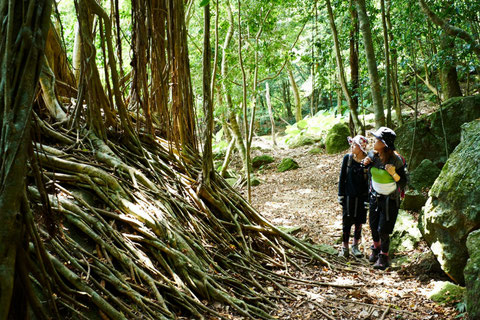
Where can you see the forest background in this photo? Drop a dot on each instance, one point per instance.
(139, 108)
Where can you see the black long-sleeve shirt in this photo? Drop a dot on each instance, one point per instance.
(353, 181)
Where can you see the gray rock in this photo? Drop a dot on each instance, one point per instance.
(452, 210)
(424, 175)
(429, 138)
(336, 140)
(413, 200)
(472, 275)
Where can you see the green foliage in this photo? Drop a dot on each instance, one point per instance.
(310, 129)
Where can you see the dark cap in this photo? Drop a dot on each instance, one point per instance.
(386, 135)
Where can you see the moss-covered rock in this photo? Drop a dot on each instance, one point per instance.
(413, 200)
(452, 210)
(424, 175)
(262, 160)
(315, 150)
(287, 164)
(406, 235)
(254, 181)
(300, 141)
(472, 275)
(447, 293)
(429, 138)
(336, 140)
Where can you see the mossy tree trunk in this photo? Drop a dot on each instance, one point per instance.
(341, 71)
(371, 63)
(21, 64)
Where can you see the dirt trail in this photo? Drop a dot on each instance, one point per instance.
(306, 197)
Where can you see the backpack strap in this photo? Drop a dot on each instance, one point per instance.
(349, 163)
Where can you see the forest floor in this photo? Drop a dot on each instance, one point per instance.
(307, 198)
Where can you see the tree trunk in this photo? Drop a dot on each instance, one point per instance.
(47, 83)
(77, 53)
(270, 112)
(371, 63)
(341, 72)
(388, 78)
(244, 106)
(207, 164)
(21, 64)
(354, 70)
(286, 99)
(448, 68)
(239, 142)
(394, 71)
(296, 94)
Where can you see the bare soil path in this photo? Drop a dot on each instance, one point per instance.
(306, 198)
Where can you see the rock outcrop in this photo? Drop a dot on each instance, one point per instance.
(452, 210)
(472, 275)
(429, 140)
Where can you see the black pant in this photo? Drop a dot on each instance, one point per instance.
(383, 215)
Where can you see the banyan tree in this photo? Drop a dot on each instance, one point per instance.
(105, 212)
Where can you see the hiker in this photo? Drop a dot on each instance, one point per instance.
(387, 170)
(353, 194)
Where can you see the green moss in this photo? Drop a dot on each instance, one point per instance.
(336, 140)
(287, 164)
(299, 141)
(254, 181)
(315, 150)
(262, 160)
(447, 293)
(472, 274)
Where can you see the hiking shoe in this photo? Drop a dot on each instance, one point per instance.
(374, 256)
(356, 252)
(382, 262)
(343, 252)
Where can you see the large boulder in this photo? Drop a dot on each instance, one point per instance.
(452, 210)
(472, 275)
(429, 140)
(424, 175)
(336, 140)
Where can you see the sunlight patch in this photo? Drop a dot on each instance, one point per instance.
(305, 191)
